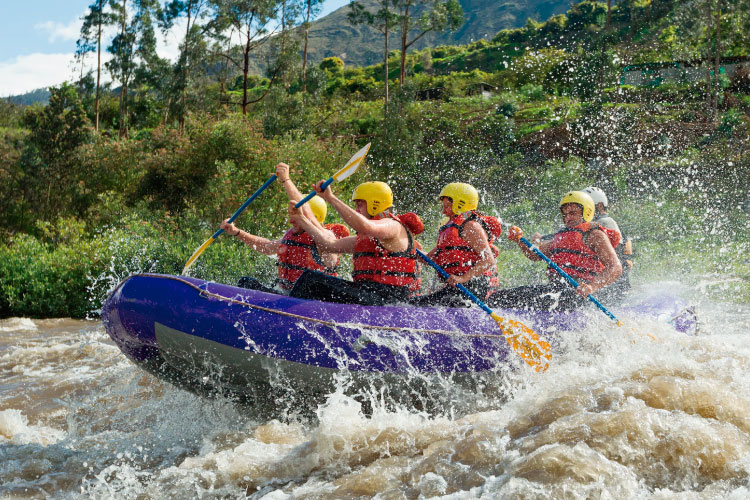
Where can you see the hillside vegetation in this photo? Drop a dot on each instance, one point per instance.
(361, 45)
(525, 116)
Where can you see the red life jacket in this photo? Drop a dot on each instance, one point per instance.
(298, 253)
(372, 262)
(570, 252)
(454, 254)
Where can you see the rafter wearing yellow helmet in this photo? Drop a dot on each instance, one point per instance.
(385, 260)
(319, 208)
(464, 248)
(464, 196)
(295, 251)
(582, 249)
(582, 199)
(376, 194)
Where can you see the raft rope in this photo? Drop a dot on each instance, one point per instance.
(206, 293)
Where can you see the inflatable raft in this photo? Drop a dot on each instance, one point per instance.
(214, 338)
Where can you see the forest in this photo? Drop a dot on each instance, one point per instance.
(132, 176)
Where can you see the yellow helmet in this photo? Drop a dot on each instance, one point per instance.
(464, 196)
(580, 198)
(318, 207)
(378, 196)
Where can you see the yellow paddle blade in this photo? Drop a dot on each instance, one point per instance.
(197, 254)
(527, 344)
(352, 165)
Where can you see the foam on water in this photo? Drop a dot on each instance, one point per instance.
(17, 325)
(15, 429)
(617, 415)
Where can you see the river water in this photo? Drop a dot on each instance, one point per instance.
(617, 415)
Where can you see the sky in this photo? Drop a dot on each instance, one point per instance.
(38, 40)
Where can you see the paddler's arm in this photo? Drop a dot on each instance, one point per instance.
(600, 244)
(282, 173)
(258, 243)
(477, 240)
(515, 233)
(383, 229)
(324, 239)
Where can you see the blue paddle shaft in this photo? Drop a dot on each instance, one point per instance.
(565, 275)
(445, 275)
(309, 196)
(247, 202)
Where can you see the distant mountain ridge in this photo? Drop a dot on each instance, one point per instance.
(334, 35)
(40, 96)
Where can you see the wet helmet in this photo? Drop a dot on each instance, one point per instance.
(319, 208)
(597, 195)
(464, 196)
(582, 199)
(378, 196)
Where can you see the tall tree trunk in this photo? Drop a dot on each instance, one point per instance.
(707, 62)
(609, 16)
(98, 66)
(304, 51)
(404, 35)
(123, 83)
(183, 98)
(245, 70)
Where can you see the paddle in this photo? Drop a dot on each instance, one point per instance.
(351, 166)
(568, 277)
(242, 208)
(522, 339)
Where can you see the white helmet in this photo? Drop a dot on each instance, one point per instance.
(597, 195)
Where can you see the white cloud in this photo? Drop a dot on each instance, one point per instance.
(34, 71)
(57, 31)
(168, 46)
(38, 70)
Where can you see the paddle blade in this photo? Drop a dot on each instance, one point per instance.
(352, 165)
(197, 254)
(527, 344)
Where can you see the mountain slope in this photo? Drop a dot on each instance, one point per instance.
(334, 35)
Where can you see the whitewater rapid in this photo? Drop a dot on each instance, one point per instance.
(617, 415)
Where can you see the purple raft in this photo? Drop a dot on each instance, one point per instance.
(210, 337)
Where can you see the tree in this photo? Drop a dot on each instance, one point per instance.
(710, 29)
(435, 15)
(193, 11)
(55, 132)
(250, 20)
(383, 19)
(312, 8)
(91, 40)
(134, 45)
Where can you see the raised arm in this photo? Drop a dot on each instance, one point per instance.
(324, 239)
(383, 229)
(294, 194)
(515, 233)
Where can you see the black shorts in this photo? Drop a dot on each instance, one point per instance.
(314, 285)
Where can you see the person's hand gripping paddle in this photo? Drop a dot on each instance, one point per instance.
(242, 208)
(351, 166)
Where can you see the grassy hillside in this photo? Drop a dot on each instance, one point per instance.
(333, 35)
